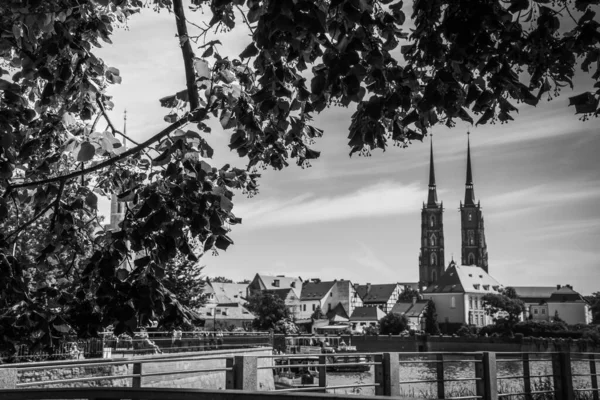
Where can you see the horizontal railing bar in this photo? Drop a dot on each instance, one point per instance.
(586, 390)
(584, 374)
(438, 361)
(127, 361)
(317, 388)
(318, 365)
(93, 378)
(285, 356)
(182, 372)
(525, 393)
(440, 380)
(464, 397)
(510, 377)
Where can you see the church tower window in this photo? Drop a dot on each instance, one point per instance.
(471, 259)
(432, 240)
(433, 260)
(433, 276)
(432, 221)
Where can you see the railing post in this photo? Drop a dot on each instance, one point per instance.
(387, 374)
(136, 381)
(439, 376)
(563, 380)
(526, 376)
(246, 373)
(594, 377)
(379, 375)
(229, 374)
(323, 372)
(485, 371)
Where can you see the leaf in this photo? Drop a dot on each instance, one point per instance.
(91, 200)
(85, 152)
(3, 209)
(122, 274)
(202, 69)
(249, 51)
(223, 242)
(163, 159)
(62, 328)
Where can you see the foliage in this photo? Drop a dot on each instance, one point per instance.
(467, 331)
(184, 279)
(286, 327)
(220, 279)
(371, 330)
(393, 324)
(408, 294)
(461, 58)
(245, 281)
(431, 324)
(269, 310)
(505, 311)
(510, 292)
(317, 314)
(557, 318)
(594, 301)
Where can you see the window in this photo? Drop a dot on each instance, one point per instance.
(314, 307)
(433, 259)
(470, 302)
(453, 302)
(276, 283)
(304, 307)
(543, 311)
(471, 235)
(432, 240)
(471, 259)
(535, 310)
(328, 307)
(432, 220)
(330, 294)
(433, 276)
(470, 216)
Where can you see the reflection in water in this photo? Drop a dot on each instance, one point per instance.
(461, 369)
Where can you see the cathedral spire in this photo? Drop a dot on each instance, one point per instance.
(469, 192)
(125, 128)
(432, 200)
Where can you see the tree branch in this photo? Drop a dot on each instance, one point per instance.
(245, 19)
(112, 126)
(188, 54)
(108, 162)
(31, 221)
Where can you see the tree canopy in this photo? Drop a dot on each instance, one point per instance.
(270, 311)
(452, 60)
(393, 324)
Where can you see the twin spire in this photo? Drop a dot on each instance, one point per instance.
(432, 199)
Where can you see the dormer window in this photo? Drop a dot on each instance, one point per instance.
(293, 284)
(276, 282)
(486, 287)
(476, 286)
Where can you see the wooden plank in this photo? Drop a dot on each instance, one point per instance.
(594, 377)
(439, 367)
(526, 376)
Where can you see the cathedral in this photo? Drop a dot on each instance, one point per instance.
(473, 248)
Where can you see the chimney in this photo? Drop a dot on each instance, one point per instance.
(557, 287)
(569, 286)
(368, 287)
(414, 299)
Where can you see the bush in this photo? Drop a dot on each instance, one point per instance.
(392, 324)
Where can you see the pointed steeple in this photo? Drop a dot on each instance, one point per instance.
(469, 192)
(125, 128)
(432, 200)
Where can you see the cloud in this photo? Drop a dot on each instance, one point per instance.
(379, 200)
(369, 260)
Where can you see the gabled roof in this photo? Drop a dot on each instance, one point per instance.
(566, 295)
(409, 309)
(315, 290)
(464, 279)
(338, 314)
(376, 293)
(268, 281)
(225, 312)
(534, 294)
(283, 293)
(367, 314)
(229, 292)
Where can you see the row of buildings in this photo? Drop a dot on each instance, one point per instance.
(457, 290)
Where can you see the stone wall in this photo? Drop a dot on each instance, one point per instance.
(45, 375)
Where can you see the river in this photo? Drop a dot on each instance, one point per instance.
(461, 369)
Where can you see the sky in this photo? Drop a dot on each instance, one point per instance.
(358, 218)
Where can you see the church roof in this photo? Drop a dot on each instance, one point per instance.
(432, 199)
(469, 191)
(464, 279)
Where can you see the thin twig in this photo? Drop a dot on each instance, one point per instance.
(109, 162)
(245, 19)
(57, 203)
(111, 125)
(96, 121)
(31, 221)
